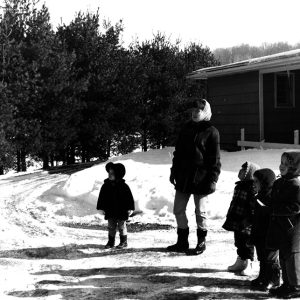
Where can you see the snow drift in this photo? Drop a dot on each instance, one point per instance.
(148, 176)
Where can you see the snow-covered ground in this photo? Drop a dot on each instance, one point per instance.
(51, 236)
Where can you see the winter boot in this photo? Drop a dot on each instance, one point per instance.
(292, 293)
(182, 244)
(259, 281)
(110, 243)
(123, 242)
(238, 266)
(201, 246)
(248, 270)
(272, 277)
(281, 291)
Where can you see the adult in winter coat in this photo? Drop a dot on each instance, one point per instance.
(195, 170)
(284, 231)
(269, 269)
(240, 217)
(116, 200)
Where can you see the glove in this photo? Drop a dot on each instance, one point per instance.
(130, 213)
(210, 188)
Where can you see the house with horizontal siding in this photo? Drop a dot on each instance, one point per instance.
(261, 95)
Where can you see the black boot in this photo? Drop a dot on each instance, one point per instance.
(272, 276)
(110, 243)
(182, 244)
(260, 280)
(281, 291)
(123, 242)
(201, 246)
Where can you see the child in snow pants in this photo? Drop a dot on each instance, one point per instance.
(284, 231)
(269, 269)
(240, 217)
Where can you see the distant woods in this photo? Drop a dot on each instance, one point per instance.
(245, 51)
(75, 93)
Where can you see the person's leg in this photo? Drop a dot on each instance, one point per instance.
(261, 257)
(180, 204)
(245, 249)
(122, 226)
(271, 268)
(112, 228)
(288, 264)
(245, 253)
(284, 275)
(293, 269)
(200, 213)
(123, 234)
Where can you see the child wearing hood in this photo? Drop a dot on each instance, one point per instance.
(269, 269)
(116, 200)
(284, 231)
(240, 217)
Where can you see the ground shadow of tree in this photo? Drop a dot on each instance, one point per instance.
(131, 226)
(166, 283)
(77, 251)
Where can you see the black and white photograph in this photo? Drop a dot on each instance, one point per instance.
(149, 150)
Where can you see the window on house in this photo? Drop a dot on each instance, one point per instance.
(284, 89)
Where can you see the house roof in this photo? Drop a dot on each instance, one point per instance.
(283, 59)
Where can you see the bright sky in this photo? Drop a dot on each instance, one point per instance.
(214, 23)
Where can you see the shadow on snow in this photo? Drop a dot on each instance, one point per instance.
(167, 283)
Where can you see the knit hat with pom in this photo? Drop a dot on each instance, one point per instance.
(250, 168)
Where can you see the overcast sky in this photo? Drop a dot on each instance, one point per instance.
(214, 23)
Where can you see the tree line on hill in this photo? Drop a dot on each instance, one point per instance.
(245, 51)
(75, 92)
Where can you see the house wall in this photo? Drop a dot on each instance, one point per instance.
(280, 122)
(235, 104)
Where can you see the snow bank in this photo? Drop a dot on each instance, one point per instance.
(148, 176)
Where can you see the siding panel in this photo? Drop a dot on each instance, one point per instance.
(234, 100)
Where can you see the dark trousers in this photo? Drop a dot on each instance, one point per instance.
(263, 254)
(113, 224)
(290, 266)
(245, 250)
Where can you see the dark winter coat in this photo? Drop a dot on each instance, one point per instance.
(261, 219)
(240, 213)
(284, 231)
(196, 162)
(115, 199)
(262, 213)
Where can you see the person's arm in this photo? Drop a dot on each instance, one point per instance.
(213, 157)
(101, 199)
(291, 205)
(176, 158)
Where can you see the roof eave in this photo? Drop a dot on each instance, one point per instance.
(219, 71)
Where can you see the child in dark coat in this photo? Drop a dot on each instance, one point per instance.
(116, 200)
(240, 217)
(284, 231)
(269, 271)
